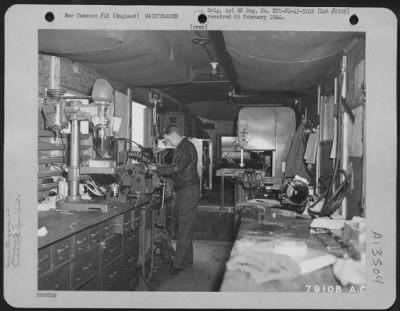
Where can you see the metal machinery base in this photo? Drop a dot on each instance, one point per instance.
(85, 205)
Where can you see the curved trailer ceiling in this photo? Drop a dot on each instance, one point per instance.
(262, 62)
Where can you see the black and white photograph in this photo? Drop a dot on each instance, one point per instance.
(162, 165)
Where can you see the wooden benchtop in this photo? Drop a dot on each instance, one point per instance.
(61, 225)
(277, 228)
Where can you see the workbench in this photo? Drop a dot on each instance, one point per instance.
(278, 227)
(96, 250)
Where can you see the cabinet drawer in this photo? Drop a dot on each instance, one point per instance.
(111, 249)
(81, 242)
(130, 260)
(84, 267)
(131, 240)
(61, 251)
(127, 224)
(58, 279)
(122, 223)
(135, 216)
(112, 274)
(44, 262)
(92, 284)
(94, 236)
(132, 279)
(106, 229)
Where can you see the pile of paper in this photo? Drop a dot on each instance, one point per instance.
(282, 259)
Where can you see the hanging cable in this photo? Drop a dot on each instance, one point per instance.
(333, 200)
(145, 155)
(140, 156)
(129, 141)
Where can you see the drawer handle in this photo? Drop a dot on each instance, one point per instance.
(92, 235)
(79, 242)
(47, 257)
(61, 250)
(113, 249)
(127, 223)
(87, 267)
(113, 274)
(108, 227)
(131, 259)
(132, 281)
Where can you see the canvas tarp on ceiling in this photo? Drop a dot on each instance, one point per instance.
(262, 60)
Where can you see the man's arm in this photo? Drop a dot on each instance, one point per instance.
(179, 163)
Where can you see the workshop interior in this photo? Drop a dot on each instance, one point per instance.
(278, 122)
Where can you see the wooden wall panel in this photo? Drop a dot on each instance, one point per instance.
(121, 110)
(44, 73)
(75, 78)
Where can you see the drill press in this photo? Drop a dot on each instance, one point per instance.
(75, 112)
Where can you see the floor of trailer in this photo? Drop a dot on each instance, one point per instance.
(204, 276)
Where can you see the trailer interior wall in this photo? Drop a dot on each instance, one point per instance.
(352, 149)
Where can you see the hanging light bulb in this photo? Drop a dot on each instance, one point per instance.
(214, 68)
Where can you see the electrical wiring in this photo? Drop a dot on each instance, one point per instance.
(229, 158)
(97, 152)
(141, 156)
(145, 155)
(92, 186)
(129, 141)
(230, 148)
(96, 191)
(333, 199)
(332, 202)
(231, 161)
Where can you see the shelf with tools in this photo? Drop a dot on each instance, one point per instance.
(52, 157)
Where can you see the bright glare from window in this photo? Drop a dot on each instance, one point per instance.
(138, 117)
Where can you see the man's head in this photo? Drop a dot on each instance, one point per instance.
(172, 136)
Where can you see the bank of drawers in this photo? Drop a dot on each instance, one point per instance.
(131, 249)
(54, 267)
(44, 260)
(85, 268)
(58, 279)
(132, 279)
(111, 249)
(102, 257)
(111, 274)
(127, 222)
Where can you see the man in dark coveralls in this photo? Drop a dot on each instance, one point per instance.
(183, 171)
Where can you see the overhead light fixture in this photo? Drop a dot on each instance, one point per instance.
(214, 68)
(102, 91)
(201, 41)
